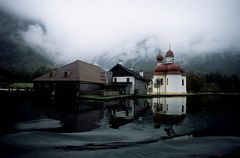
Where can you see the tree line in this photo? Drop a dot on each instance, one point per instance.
(13, 75)
(196, 82)
(213, 82)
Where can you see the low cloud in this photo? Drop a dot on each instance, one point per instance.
(83, 29)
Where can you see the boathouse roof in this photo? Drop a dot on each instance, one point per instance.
(75, 71)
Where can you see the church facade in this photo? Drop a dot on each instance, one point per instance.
(168, 77)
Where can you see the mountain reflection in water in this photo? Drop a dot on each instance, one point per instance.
(204, 126)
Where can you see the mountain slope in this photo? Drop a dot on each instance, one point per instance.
(15, 54)
(227, 62)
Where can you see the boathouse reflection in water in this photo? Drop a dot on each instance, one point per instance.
(88, 115)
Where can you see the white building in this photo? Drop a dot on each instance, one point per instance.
(169, 77)
(128, 81)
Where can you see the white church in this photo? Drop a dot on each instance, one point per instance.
(168, 77)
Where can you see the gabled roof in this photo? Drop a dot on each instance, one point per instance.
(128, 72)
(76, 71)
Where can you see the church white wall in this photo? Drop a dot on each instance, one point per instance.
(174, 84)
(184, 87)
(162, 87)
(124, 79)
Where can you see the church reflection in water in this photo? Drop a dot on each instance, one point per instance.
(168, 111)
(86, 115)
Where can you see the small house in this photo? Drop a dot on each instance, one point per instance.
(127, 81)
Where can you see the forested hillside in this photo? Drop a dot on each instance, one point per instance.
(16, 57)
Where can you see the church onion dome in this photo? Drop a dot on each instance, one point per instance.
(160, 69)
(174, 69)
(159, 57)
(169, 53)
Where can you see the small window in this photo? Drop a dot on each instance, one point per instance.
(65, 74)
(115, 79)
(46, 86)
(167, 81)
(182, 108)
(127, 79)
(182, 82)
(161, 81)
(158, 82)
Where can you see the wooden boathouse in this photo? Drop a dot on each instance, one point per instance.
(72, 79)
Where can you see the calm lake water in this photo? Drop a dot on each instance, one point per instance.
(193, 126)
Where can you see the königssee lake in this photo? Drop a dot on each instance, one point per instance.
(193, 126)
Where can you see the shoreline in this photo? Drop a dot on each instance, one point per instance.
(92, 97)
(21, 92)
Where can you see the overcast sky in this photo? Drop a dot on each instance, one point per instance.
(78, 29)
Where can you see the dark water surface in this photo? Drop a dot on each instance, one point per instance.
(193, 126)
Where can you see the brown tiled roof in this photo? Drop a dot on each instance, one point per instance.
(76, 71)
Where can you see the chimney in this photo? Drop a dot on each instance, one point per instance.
(141, 73)
(109, 77)
(120, 62)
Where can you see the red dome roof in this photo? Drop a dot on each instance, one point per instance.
(169, 53)
(159, 57)
(160, 69)
(174, 68)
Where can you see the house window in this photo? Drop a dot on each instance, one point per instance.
(127, 79)
(115, 79)
(161, 81)
(182, 108)
(46, 85)
(65, 74)
(157, 83)
(167, 81)
(182, 82)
